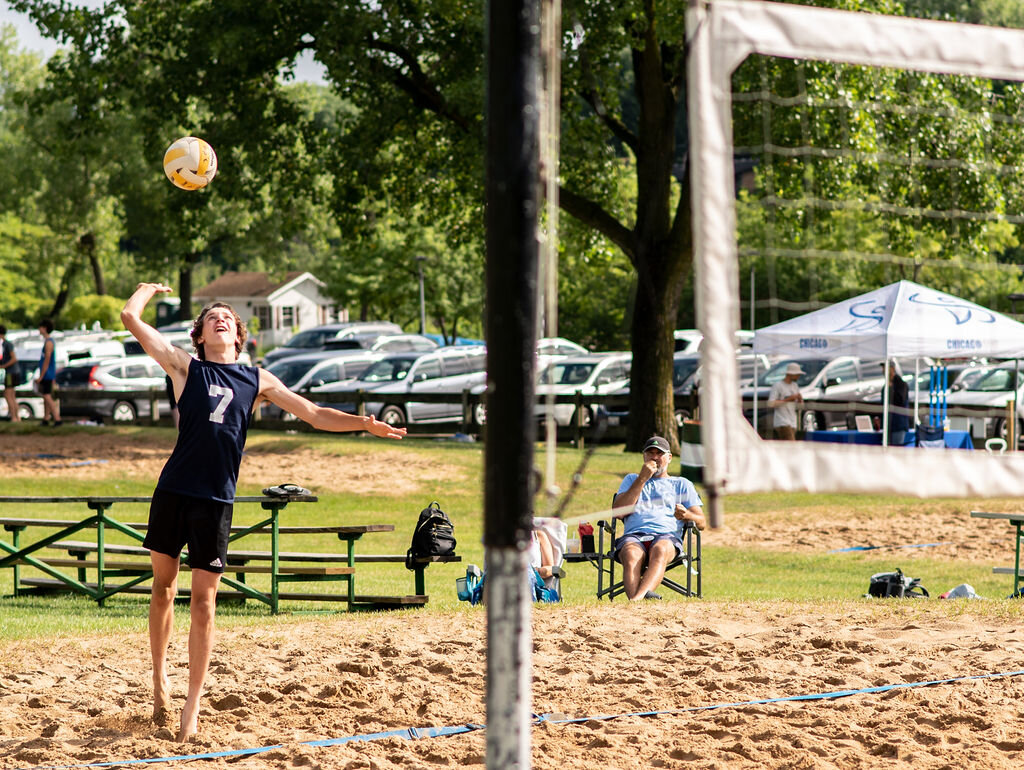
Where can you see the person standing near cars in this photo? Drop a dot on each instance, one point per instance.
(783, 398)
(194, 496)
(12, 374)
(899, 407)
(47, 374)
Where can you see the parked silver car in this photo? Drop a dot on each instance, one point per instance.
(396, 379)
(686, 377)
(383, 342)
(832, 390)
(313, 371)
(117, 380)
(990, 390)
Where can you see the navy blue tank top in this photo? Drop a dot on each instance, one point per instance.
(213, 418)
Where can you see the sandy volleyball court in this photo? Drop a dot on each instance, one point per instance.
(287, 686)
(277, 691)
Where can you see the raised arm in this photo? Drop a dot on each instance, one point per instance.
(629, 497)
(172, 360)
(323, 418)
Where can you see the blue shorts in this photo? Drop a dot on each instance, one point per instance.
(646, 540)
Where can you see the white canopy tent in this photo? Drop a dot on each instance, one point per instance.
(901, 320)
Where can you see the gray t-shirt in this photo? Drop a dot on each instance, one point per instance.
(785, 414)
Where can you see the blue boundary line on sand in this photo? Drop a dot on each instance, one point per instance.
(878, 547)
(416, 733)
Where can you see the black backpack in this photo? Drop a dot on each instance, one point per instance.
(896, 584)
(434, 535)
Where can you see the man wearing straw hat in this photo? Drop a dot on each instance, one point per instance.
(783, 398)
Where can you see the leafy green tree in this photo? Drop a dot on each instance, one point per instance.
(129, 92)
(996, 13)
(412, 72)
(898, 148)
(89, 309)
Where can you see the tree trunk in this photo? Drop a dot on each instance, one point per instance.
(185, 287)
(651, 399)
(65, 289)
(662, 252)
(87, 245)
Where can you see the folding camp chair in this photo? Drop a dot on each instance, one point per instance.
(557, 531)
(930, 436)
(607, 585)
(547, 589)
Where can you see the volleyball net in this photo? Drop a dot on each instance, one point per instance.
(833, 150)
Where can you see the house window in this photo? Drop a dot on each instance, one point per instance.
(264, 317)
(288, 317)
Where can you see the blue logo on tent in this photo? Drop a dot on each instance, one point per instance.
(963, 345)
(870, 314)
(865, 315)
(962, 312)
(813, 343)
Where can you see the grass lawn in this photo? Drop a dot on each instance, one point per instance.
(730, 573)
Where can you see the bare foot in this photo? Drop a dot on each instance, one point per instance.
(189, 720)
(161, 701)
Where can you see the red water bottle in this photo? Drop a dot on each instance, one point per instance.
(586, 531)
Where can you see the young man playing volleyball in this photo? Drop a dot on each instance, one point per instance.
(657, 503)
(192, 503)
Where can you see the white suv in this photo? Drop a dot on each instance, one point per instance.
(595, 373)
(314, 371)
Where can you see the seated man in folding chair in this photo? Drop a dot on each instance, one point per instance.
(654, 504)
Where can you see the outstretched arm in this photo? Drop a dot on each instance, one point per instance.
(274, 391)
(172, 360)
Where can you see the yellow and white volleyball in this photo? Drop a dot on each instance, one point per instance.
(190, 163)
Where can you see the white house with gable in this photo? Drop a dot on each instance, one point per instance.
(283, 307)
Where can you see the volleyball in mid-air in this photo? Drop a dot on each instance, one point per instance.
(190, 163)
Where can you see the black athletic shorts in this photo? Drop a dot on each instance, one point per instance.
(45, 387)
(12, 379)
(179, 520)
